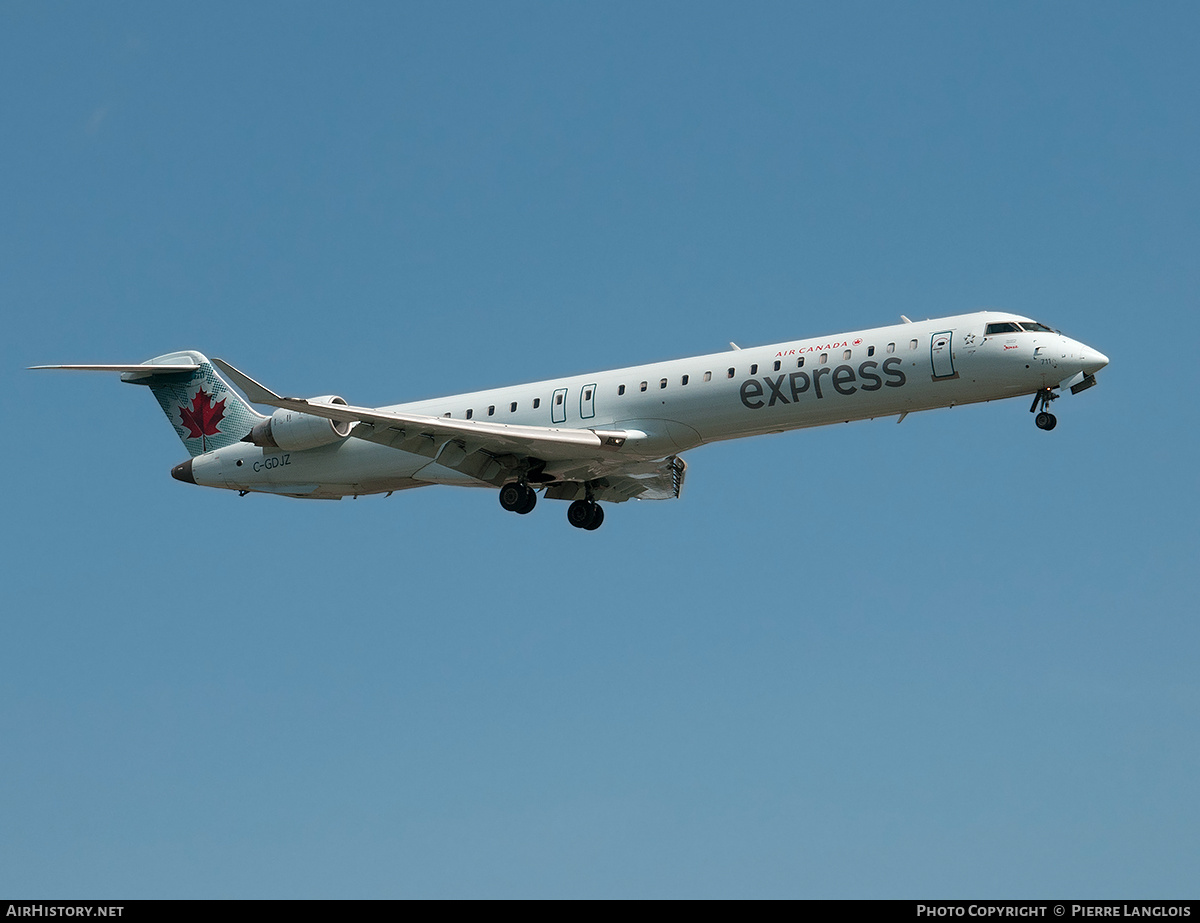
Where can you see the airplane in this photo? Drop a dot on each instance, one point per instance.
(602, 437)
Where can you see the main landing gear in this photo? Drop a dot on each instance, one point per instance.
(521, 498)
(518, 498)
(1044, 419)
(585, 514)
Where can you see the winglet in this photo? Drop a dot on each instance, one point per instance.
(258, 394)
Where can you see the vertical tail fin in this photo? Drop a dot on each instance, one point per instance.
(205, 411)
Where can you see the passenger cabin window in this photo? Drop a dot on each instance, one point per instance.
(537, 402)
(644, 385)
(512, 408)
(445, 415)
(587, 394)
(912, 344)
(800, 363)
(754, 369)
(492, 410)
(824, 358)
(663, 383)
(777, 365)
(870, 350)
(684, 380)
(708, 376)
(620, 389)
(846, 354)
(558, 399)
(891, 347)
(1006, 327)
(469, 412)
(729, 374)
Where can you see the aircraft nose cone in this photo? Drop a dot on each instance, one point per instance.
(1093, 360)
(184, 472)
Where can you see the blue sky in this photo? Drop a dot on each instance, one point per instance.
(950, 658)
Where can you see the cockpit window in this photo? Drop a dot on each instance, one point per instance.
(1035, 328)
(1005, 327)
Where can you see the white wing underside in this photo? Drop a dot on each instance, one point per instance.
(604, 463)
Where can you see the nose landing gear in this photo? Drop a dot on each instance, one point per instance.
(1044, 419)
(518, 498)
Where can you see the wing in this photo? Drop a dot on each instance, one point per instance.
(606, 460)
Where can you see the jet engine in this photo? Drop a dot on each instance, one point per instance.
(294, 431)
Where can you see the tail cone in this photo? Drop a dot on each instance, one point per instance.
(183, 472)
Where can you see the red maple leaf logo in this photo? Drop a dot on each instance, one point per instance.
(203, 416)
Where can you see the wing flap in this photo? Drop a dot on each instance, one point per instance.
(661, 480)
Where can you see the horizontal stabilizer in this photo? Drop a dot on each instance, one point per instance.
(134, 371)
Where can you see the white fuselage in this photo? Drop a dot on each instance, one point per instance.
(684, 403)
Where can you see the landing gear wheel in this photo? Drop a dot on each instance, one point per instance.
(518, 498)
(585, 514)
(579, 514)
(511, 497)
(1044, 420)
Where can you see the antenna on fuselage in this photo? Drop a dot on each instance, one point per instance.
(735, 346)
(905, 319)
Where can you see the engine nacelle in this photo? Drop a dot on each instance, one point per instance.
(294, 431)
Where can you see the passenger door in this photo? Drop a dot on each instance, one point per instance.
(941, 355)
